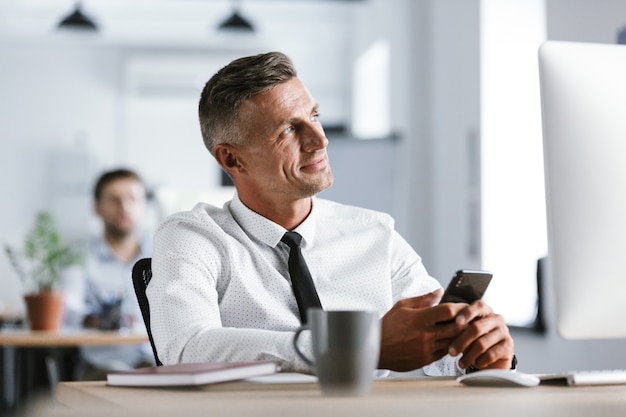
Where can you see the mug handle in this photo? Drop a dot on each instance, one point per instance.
(301, 354)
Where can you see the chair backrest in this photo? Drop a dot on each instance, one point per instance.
(142, 274)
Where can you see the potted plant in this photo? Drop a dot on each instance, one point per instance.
(40, 264)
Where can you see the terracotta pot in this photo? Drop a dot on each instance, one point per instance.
(45, 310)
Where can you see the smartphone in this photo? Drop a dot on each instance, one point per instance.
(467, 286)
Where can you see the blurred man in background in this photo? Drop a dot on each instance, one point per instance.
(103, 297)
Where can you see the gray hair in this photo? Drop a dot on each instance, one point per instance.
(224, 93)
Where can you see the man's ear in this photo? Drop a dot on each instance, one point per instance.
(226, 155)
(96, 209)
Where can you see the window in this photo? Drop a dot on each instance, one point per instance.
(513, 204)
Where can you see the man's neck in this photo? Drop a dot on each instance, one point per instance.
(124, 248)
(288, 213)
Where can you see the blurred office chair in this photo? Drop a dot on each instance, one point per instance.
(142, 274)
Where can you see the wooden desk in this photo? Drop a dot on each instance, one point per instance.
(68, 338)
(17, 347)
(421, 396)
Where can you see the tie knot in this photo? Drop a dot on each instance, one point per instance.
(293, 239)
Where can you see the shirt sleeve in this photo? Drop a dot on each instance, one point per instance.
(446, 366)
(184, 306)
(410, 279)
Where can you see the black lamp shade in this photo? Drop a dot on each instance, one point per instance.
(77, 20)
(237, 22)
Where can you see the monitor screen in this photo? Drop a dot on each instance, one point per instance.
(583, 99)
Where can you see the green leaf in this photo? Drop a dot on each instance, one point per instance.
(47, 252)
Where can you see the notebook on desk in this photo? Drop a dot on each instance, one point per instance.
(188, 374)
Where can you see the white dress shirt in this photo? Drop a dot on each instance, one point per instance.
(221, 291)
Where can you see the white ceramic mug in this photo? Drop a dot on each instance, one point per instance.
(346, 345)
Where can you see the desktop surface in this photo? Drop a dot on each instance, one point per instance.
(393, 397)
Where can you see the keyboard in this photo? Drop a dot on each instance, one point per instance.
(593, 377)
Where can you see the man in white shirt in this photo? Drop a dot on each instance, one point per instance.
(221, 289)
(101, 295)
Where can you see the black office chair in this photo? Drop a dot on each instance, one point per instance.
(142, 274)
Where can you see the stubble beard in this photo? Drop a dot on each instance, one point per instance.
(118, 233)
(309, 189)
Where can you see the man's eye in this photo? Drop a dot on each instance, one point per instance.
(288, 130)
(315, 117)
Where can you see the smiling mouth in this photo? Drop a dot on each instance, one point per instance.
(315, 164)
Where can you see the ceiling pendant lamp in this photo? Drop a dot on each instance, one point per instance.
(236, 22)
(77, 20)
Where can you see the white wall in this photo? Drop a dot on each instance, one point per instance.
(443, 122)
(585, 20)
(59, 108)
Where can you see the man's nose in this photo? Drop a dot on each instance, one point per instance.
(313, 139)
(127, 204)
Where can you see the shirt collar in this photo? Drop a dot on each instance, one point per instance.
(265, 230)
(103, 251)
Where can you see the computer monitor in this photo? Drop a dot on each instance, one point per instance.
(583, 100)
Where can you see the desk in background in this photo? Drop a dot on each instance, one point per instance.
(421, 396)
(19, 347)
(69, 338)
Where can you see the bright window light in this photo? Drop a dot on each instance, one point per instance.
(513, 203)
(371, 86)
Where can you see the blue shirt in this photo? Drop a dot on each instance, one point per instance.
(102, 279)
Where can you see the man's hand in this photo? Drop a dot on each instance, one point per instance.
(484, 341)
(91, 321)
(416, 333)
(411, 337)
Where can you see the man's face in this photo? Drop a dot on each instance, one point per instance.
(121, 205)
(284, 150)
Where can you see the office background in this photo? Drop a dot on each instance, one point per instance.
(399, 82)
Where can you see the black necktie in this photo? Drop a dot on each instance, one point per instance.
(301, 281)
